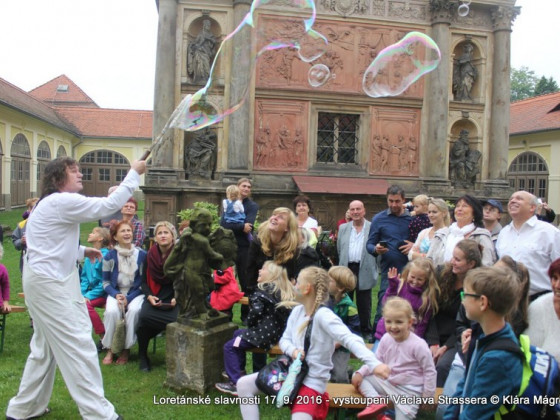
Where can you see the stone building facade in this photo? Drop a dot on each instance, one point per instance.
(333, 143)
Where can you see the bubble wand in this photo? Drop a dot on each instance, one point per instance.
(171, 122)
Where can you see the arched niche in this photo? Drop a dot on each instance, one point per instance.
(468, 71)
(202, 41)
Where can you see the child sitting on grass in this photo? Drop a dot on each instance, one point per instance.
(342, 281)
(489, 294)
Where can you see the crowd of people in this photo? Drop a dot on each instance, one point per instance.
(452, 279)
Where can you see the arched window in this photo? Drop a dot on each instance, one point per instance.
(43, 157)
(20, 170)
(529, 172)
(61, 152)
(102, 169)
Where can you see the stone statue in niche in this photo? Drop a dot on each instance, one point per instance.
(200, 54)
(463, 162)
(191, 262)
(464, 73)
(200, 154)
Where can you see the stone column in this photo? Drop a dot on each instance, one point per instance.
(502, 18)
(164, 89)
(434, 155)
(239, 121)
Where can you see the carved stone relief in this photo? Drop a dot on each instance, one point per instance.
(406, 10)
(394, 146)
(503, 17)
(351, 49)
(345, 7)
(280, 136)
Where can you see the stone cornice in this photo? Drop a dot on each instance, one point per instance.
(503, 17)
(442, 11)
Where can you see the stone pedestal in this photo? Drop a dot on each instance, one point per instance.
(195, 358)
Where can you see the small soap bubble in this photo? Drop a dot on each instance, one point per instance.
(463, 10)
(399, 65)
(318, 75)
(197, 112)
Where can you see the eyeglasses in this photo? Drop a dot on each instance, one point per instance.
(473, 295)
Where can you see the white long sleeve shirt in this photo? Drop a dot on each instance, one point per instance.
(327, 329)
(53, 228)
(536, 244)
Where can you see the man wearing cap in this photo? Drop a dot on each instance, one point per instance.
(492, 213)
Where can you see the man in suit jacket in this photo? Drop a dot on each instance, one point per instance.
(352, 252)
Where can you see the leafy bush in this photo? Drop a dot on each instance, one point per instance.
(186, 214)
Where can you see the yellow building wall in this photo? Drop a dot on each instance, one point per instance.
(547, 145)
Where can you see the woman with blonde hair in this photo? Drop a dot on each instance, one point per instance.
(277, 240)
(160, 307)
(438, 214)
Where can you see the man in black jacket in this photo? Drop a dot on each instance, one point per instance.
(241, 232)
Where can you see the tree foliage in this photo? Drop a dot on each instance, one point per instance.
(545, 85)
(525, 84)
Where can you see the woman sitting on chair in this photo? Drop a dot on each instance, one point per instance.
(159, 308)
(123, 268)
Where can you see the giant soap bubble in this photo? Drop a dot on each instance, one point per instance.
(400, 65)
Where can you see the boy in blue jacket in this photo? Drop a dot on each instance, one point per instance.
(342, 281)
(489, 294)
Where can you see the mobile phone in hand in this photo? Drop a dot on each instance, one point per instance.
(383, 244)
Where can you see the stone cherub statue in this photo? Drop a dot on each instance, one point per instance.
(191, 262)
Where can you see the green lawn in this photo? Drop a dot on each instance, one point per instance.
(132, 392)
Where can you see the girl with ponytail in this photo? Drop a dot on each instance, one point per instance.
(312, 291)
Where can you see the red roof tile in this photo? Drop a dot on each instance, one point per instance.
(62, 91)
(17, 98)
(102, 122)
(540, 113)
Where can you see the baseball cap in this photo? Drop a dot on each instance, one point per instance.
(494, 203)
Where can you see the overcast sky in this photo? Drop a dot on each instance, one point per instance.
(107, 47)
